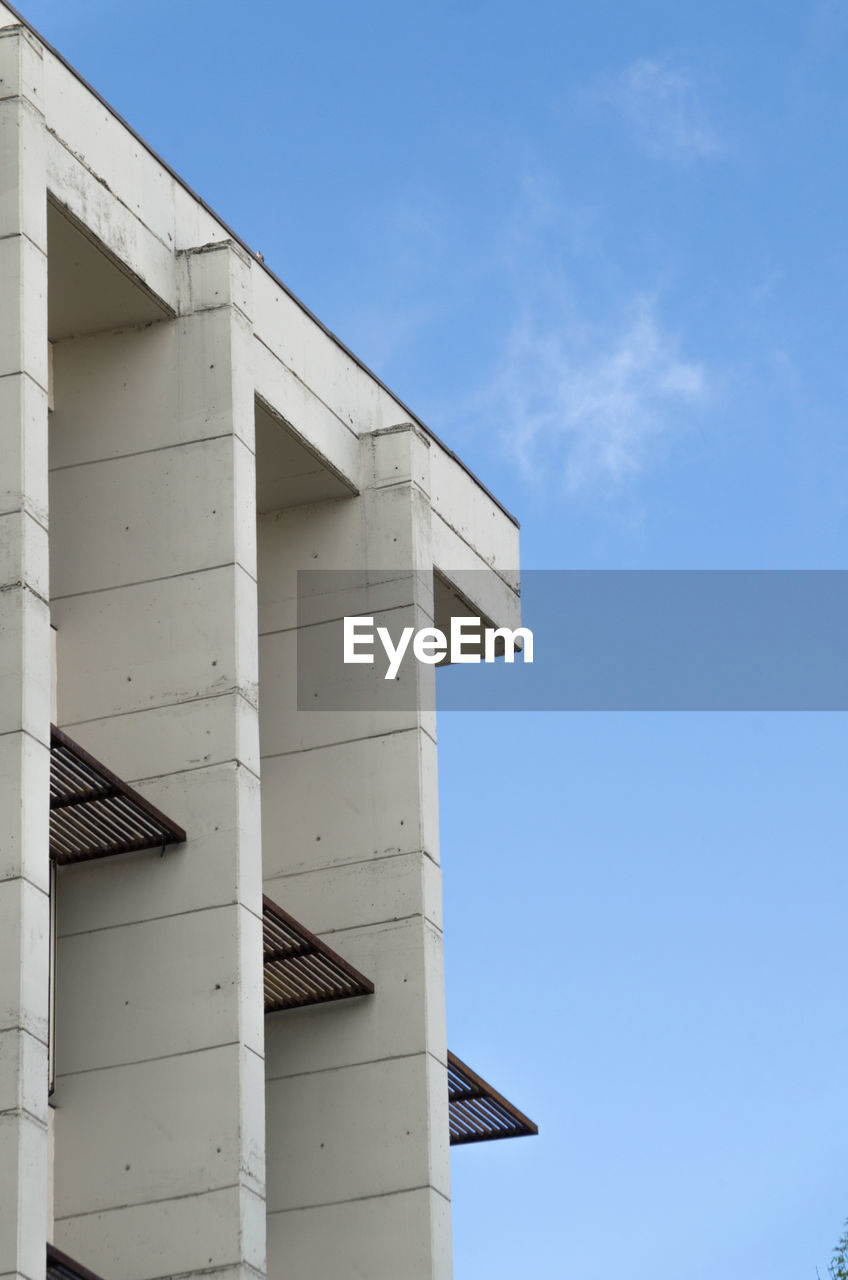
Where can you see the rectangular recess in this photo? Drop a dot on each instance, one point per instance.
(478, 1113)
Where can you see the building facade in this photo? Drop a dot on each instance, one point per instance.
(222, 1022)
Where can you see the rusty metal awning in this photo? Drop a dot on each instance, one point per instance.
(61, 1267)
(93, 813)
(300, 969)
(478, 1113)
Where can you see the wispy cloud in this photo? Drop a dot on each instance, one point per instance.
(661, 107)
(577, 369)
(591, 410)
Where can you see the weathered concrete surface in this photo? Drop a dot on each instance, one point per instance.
(209, 438)
(24, 662)
(159, 1022)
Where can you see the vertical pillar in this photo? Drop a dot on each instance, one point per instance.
(24, 661)
(159, 1049)
(358, 1156)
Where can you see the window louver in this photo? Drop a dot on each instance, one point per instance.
(478, 1113)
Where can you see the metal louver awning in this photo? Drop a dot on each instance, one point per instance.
(61, 1267)
(478, 1113)
(93, 813)
(300, 969)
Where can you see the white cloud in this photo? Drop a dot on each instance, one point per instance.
(592, 411)
(661, 108)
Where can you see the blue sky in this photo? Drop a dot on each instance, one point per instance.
(601, 250)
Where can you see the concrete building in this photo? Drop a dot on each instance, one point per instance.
(178, 437)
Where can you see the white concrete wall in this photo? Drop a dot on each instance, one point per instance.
(357, 1111)
(24, 662)
(159, 1165)
(162, 1095)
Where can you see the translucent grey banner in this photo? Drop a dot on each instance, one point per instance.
(611, 640)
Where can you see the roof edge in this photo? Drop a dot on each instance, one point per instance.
(258, 261)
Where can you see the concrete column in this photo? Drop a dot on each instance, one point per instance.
(357, 1123)
(159, 1044)
(24, 661)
